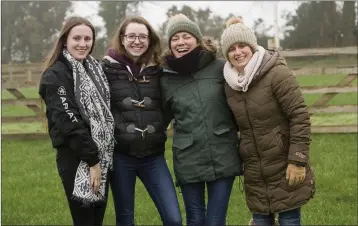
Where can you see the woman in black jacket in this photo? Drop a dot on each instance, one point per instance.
(132, 69)
(80, 123)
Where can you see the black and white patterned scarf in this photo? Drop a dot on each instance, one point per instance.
(93, 98)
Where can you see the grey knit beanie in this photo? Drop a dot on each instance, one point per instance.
(181, 23)
(237, 32)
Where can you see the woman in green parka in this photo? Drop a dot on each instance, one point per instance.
(275, 127)
(205, 143)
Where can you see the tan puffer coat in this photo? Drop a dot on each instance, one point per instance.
(274, 127)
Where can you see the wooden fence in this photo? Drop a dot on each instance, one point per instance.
(17, 76)
(348, 50)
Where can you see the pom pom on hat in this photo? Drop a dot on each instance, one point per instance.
(237, 32)
(234, 20)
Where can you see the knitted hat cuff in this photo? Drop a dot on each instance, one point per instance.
(237, 33)
(192, 29)
(183, 25)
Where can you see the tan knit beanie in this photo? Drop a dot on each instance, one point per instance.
(181, 23)
(237, 32)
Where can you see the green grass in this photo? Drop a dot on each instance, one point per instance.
(322, 61)
(30, 127)
(32, 192)
(336, 119)
(340, 99)
(31, 92)
(322, 80)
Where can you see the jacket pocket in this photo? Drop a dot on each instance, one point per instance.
(181, 154)
(226, 136)
(182, 142)
(244, 154)
(221, 131)
(280, 138)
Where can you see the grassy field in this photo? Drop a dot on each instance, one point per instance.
(32, 193)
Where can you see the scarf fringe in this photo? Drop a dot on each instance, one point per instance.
(86, 203)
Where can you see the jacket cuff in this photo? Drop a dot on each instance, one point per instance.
(303, 164)
(298, 153)
(93, 161)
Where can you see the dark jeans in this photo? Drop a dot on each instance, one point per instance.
(218, 199)
(154, 173)
(67, 164)
(288, 218)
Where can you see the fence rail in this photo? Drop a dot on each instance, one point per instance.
(20, 102)
(306, 71)
(333, 109)
(349, 50)
(328, 89)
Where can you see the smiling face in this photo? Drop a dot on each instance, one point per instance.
(79, 41)
(239, 56)
(182, 43)
(135, 40)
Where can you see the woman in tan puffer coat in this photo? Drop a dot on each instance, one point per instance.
(274, 127)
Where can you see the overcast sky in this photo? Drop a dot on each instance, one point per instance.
(155, 11)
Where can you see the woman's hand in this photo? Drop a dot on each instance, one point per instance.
(95, 174)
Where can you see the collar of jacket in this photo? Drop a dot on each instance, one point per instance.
(190, 63)
(112, 63)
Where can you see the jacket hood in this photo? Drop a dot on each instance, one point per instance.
(113, 57)
(270, 60)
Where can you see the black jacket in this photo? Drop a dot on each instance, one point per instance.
(66, 127)
(130, 117)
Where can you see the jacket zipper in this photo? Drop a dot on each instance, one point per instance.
(258, 153)
(206, 127)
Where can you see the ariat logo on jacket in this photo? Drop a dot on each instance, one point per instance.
(62, 92)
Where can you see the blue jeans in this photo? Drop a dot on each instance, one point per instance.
(218, 199)
(154, 173)
(287, 218)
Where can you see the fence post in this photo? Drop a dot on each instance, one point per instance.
(29, 72)
(10, 72)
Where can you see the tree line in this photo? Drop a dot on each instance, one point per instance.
(29, 28)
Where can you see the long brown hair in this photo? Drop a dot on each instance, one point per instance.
(154, 49)
(62, 38)
(59, 44)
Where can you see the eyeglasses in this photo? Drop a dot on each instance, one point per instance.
(133, 37)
